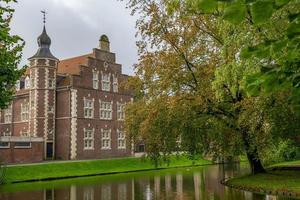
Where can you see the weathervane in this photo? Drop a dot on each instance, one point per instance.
(44, 16)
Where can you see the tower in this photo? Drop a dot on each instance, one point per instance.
(104, 43)
(42, 69)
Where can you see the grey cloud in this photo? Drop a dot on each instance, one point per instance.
(75, 27)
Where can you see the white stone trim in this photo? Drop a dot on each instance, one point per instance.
(73, 123)
(46, 103)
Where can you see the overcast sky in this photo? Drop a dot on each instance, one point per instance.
(75, 27)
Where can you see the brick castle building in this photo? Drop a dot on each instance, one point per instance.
(68, 109)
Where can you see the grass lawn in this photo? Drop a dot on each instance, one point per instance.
(85, 168)
(275, 180)
(290, 163)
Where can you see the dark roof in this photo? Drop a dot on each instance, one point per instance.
(44, 43)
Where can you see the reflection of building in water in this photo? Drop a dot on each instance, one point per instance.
(106, 191)
(73, 192)
(88, 193)
(157, 187)
(179, 189)
(168, 185)
(271, 197)
(49, 194)
(248, 195)
(122, 191)
(197, 184)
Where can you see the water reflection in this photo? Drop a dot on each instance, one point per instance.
(179, 184)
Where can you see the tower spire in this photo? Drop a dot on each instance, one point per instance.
(44, 43)
(44, 16)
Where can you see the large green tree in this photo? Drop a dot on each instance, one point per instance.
(10, 54)
(195, 61)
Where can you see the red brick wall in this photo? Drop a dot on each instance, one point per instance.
(26, 155)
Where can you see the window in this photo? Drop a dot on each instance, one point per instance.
(96, 80)
(18, 85)
(105, 82)
(121, 139)
(32, 83)
(27, 82)
(115, 83)
(106, 110)
(88, 139)
(21, 145)
(105, 138)
(24, 112)
(4, 145)
(120, 111)
(6, 134)
(50, 109)
(7, 114)
(88, 108)
(51, 83)
(24, 134)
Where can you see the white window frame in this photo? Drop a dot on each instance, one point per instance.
(106, 110)
(18, 86)
(6, 134)
(27, 82)
(23, 147)
(32, 83)
(5, 147)
(115, 84)
(24, 133)
(121, 139)
(24, 112)
(8, 114)
(121, 111)
(105, 82)
(88, 139)
(88, 108)
(95, 80)
(105, 139)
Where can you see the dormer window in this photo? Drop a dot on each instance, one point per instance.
(105, 82)
(95, 80)
(115, 83)
(27, 82)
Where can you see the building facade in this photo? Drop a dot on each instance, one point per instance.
(68, 109)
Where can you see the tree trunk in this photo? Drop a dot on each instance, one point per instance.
(255, 162)
(252, 155)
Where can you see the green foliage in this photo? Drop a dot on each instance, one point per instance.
(235, 12)
(280, 152)
(10, 55)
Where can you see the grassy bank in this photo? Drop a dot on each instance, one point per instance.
(277, 181)
(86, 168)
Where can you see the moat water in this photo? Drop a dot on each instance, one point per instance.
(198, 183)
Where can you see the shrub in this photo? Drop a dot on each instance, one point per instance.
(282, 151)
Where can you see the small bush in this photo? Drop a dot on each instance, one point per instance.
(281, 152)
